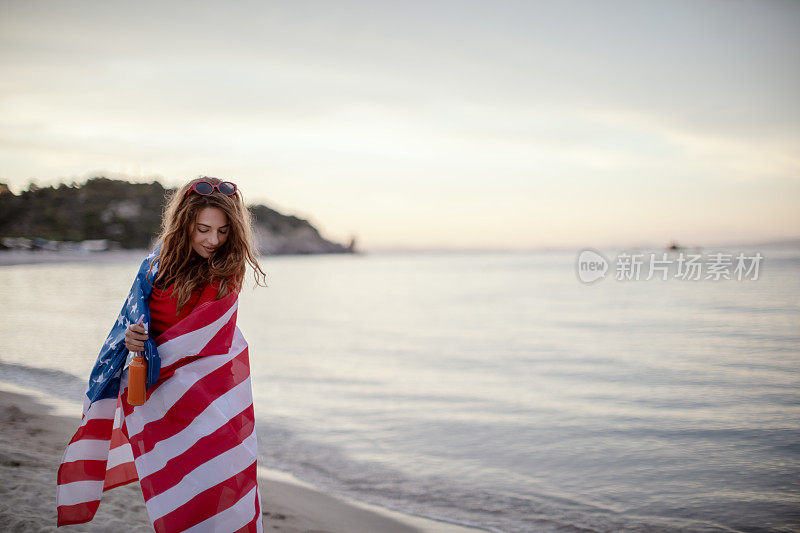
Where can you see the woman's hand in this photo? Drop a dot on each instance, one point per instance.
(135, 337)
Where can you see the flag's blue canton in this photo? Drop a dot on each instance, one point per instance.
(104, 381)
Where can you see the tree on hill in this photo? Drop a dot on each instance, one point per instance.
(128, 213)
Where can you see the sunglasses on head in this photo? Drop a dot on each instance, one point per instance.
(206, 187)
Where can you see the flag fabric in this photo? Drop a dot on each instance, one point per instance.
(104, 380)
(192, 445)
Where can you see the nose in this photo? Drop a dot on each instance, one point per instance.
(213, 239)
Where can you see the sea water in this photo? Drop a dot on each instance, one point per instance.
(489, 388)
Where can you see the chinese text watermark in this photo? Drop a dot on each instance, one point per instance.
(592, 266)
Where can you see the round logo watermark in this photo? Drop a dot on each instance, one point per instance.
(591, 266)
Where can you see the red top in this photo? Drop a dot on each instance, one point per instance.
(163, 306)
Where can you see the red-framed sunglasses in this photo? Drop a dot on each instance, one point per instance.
(205, 188)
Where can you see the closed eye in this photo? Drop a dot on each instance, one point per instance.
(207, 227)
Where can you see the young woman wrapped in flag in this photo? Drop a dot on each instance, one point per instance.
(191, 444)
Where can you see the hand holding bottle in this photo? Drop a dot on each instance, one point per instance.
(135, 336)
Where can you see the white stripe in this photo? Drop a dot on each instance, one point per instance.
(205, 476)
(169, 392)
(86, 450)
(193, 342)
(118, 416)
(233, 518)
(100, 410)
(120, 454)
(78, 492)
(219, 412)
(260, 518)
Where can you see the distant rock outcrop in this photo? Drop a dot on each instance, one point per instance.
(281, 234)
(129, 214)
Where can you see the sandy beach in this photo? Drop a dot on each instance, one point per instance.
(33, 437)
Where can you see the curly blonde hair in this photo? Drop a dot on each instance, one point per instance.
(188, 271)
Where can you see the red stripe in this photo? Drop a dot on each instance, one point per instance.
(118, 438)
(199, 396)
(226, 437)
(221, 343)
(77, 514)
(122, 474)
(82, 470)
(98, 428)
(201, 316)
(209, 502)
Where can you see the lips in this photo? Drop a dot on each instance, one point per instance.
(209, 250)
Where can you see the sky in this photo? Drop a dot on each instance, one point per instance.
(456, 125)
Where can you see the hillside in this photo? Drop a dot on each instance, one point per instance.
(129, 214)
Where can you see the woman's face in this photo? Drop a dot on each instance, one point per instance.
(210, 231)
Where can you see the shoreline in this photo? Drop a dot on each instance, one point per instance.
(35, 430)
(46, 257)
(36, 257)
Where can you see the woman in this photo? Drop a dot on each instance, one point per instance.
(192, 444)
(206, 239)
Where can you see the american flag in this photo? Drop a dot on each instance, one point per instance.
(192, 445)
